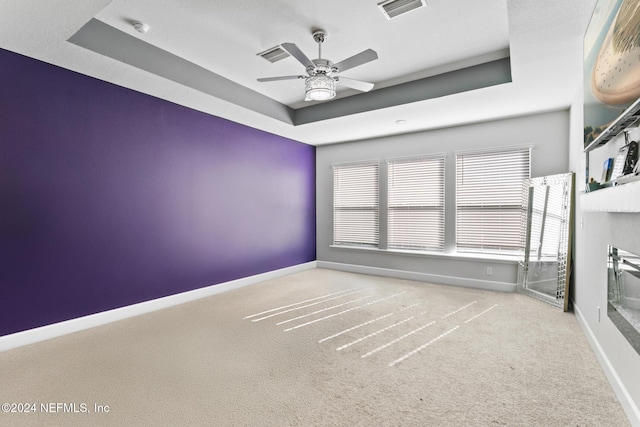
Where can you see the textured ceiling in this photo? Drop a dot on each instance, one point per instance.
(200, 40)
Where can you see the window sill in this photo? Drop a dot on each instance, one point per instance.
(460, 256)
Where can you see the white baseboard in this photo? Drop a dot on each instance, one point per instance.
(42, 333)
(627, 403)
(422, 277)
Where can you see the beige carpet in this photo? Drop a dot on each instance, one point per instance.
(359, 351)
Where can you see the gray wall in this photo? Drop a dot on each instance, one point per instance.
(619, 360)
(547, 133)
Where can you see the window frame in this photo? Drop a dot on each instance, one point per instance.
(369, 233)
(429, 197)
(492, 168)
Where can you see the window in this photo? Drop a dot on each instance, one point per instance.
(416, 203)
(489, 199)
(355, 204)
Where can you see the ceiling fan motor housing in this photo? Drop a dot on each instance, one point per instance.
(323, 66)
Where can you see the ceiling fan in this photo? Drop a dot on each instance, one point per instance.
(322, 74)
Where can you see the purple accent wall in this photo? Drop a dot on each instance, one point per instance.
(109, 197)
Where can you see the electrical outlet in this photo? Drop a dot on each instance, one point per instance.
(581, 222)
(598, 314)
(489, 271)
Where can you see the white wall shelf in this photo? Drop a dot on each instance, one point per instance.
(624, 121)
(621, 198)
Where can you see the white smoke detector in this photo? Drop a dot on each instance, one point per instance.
(141, 27)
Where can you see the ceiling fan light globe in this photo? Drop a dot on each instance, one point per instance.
(320, 94)
(320, 88)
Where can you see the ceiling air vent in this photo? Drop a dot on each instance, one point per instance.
(274, 54)
(393, 8)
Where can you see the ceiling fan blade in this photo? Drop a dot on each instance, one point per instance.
(294, 51)
(356, 60)
(274, 79)
(355, 84)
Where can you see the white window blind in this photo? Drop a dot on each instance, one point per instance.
(355, 204)
(416, 203)
(489, 189)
